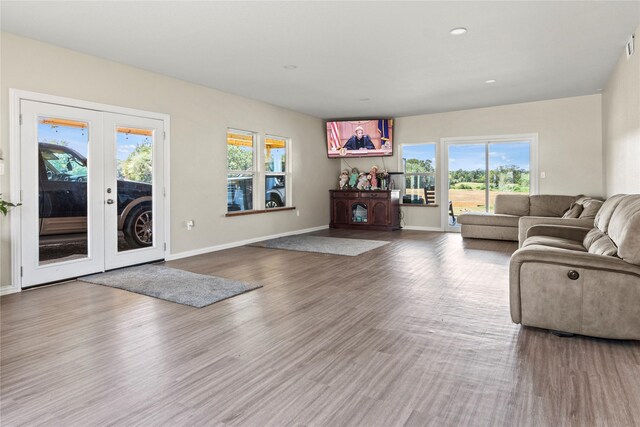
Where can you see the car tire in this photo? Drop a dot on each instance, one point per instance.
(138, 227)
(273, 202)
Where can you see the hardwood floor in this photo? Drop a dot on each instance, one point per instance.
(416, 333)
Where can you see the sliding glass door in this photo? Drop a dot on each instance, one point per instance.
(480, 169)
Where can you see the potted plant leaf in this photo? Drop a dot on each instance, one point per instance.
(5, 206)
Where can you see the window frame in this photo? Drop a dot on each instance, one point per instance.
(259, 171)
(253, 172)
(406, 174)
(286, 174)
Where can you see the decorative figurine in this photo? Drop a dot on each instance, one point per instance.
(374, 176)
(362, 181)
(353, 178)
(344, 179)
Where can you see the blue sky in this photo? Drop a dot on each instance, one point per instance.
(78, 139)
(420, 152)
(472, 156)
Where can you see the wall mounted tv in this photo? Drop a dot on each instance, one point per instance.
(360, 138)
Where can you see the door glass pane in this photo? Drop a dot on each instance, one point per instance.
(62, 189)
(359, 212)
(508, 169)
(467, 179)
(134, 166)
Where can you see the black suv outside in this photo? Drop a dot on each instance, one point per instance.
(63, 200)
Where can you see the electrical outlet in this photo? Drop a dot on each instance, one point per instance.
(190, 224)
(297, 213)
(543, 175)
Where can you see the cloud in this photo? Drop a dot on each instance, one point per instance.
(128, 148)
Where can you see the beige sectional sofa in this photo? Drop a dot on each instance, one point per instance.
(582, 281)
(514, 214)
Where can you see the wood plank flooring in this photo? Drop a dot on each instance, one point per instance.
(416, 333)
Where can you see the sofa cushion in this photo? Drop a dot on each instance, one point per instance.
(604, 214)
(496, 220)
(472, 231)
(603, 246)
(574, 211)
(554, 242)
(512, 204)
(549, 205)
(624, 228)
(591, 208)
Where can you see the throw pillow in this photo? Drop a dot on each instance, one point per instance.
(591, 208)
(574, 211)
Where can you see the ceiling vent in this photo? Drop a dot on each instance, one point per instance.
(631, 46)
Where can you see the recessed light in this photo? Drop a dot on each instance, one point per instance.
(365, 99)
(490, 81)
(458, 31)
(290, 67)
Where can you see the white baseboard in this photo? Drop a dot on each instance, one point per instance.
(6, 290)
(420, 228)
(201, 251)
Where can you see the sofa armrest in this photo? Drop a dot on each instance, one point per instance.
(526, 222)
(563, 258)
(565, 232)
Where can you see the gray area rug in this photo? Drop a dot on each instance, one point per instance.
(183, 287)
(324, 245)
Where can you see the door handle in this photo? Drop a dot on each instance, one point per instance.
(109, 201)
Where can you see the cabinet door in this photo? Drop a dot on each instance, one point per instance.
(379, 212)
(359, 212)
(340, 211)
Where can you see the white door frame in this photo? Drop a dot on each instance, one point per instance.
(532, 138)
(17, 95)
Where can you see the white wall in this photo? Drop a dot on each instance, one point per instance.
(569, 143)
(621, 125)
(199, 120)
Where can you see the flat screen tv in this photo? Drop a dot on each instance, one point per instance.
(360, 138)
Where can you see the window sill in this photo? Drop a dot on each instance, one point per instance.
(261, 211)
(421, 205)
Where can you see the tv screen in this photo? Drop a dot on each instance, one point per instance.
(360, 138)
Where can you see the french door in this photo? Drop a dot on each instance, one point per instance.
(478, 169)
(92, 191)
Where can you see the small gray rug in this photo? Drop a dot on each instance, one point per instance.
(324, 245)
(183, 287)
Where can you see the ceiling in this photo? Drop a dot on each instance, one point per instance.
(353, 59)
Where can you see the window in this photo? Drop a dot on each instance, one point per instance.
(419, 167)
(256, 181)
(480, 168)
(275, 166)
(240, 170)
